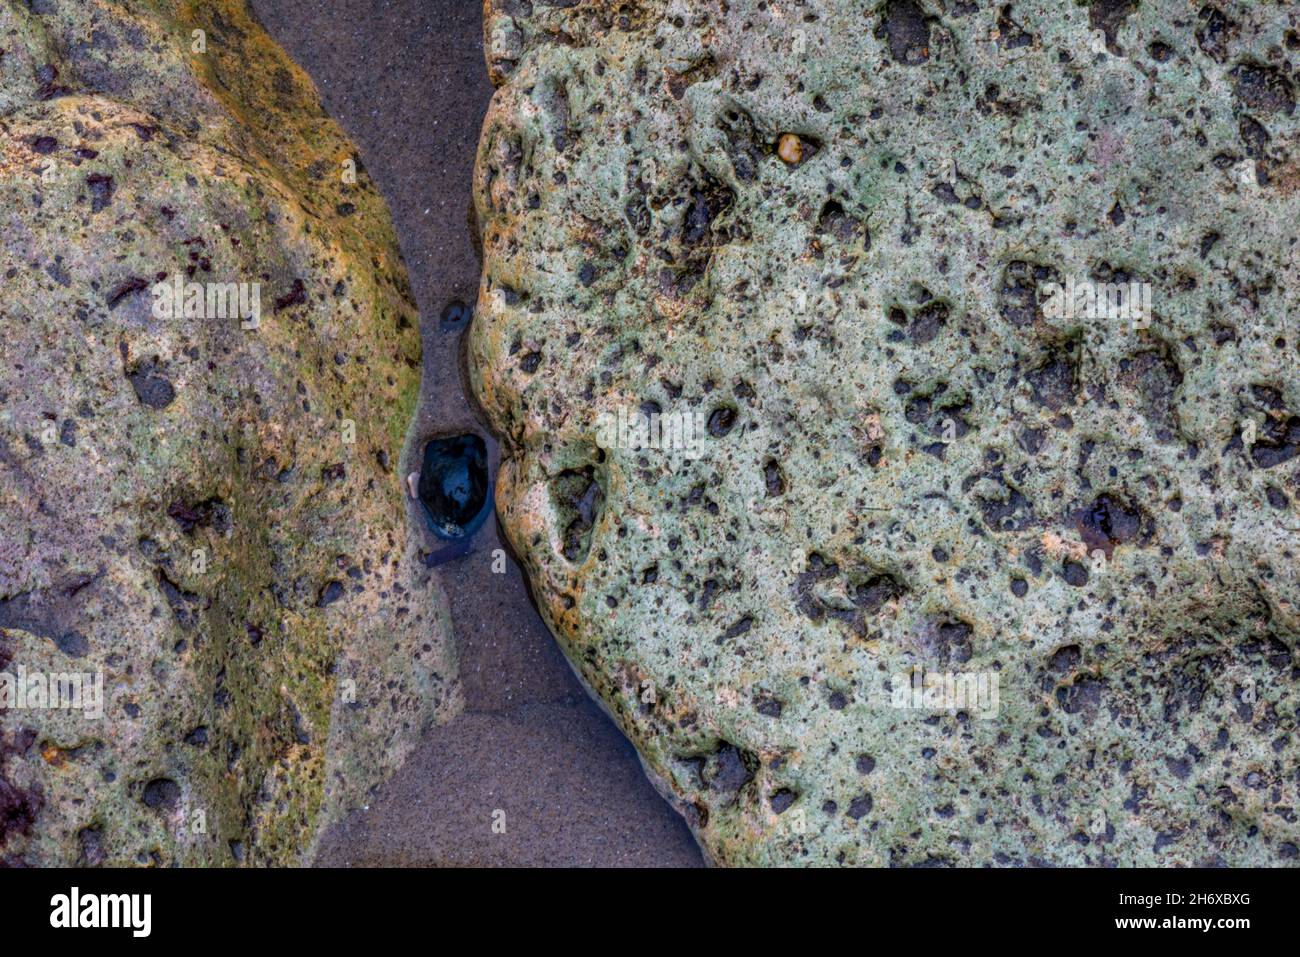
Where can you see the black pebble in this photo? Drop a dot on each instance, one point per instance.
(455, 316)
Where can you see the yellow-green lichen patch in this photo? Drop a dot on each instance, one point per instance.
(205, 513)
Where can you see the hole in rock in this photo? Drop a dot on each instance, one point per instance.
(453, 486)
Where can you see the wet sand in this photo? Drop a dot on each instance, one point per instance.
(406, 79)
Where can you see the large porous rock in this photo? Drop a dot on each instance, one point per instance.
(201, 506)
(830, 234)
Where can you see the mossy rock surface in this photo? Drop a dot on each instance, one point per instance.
(209, 515)
(830, 229)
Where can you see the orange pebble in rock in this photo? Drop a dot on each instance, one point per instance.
(790, 148)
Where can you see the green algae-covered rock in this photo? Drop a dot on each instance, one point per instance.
(200, 503)
(939, 566)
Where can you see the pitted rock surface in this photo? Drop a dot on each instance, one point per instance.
(831, 227)
(209, 516)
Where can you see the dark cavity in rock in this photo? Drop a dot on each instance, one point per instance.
(579, 499)
(152, 388)
(1108, 16)
(1109, 521)
(453, 486)
(162, 794)
(907, 30)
